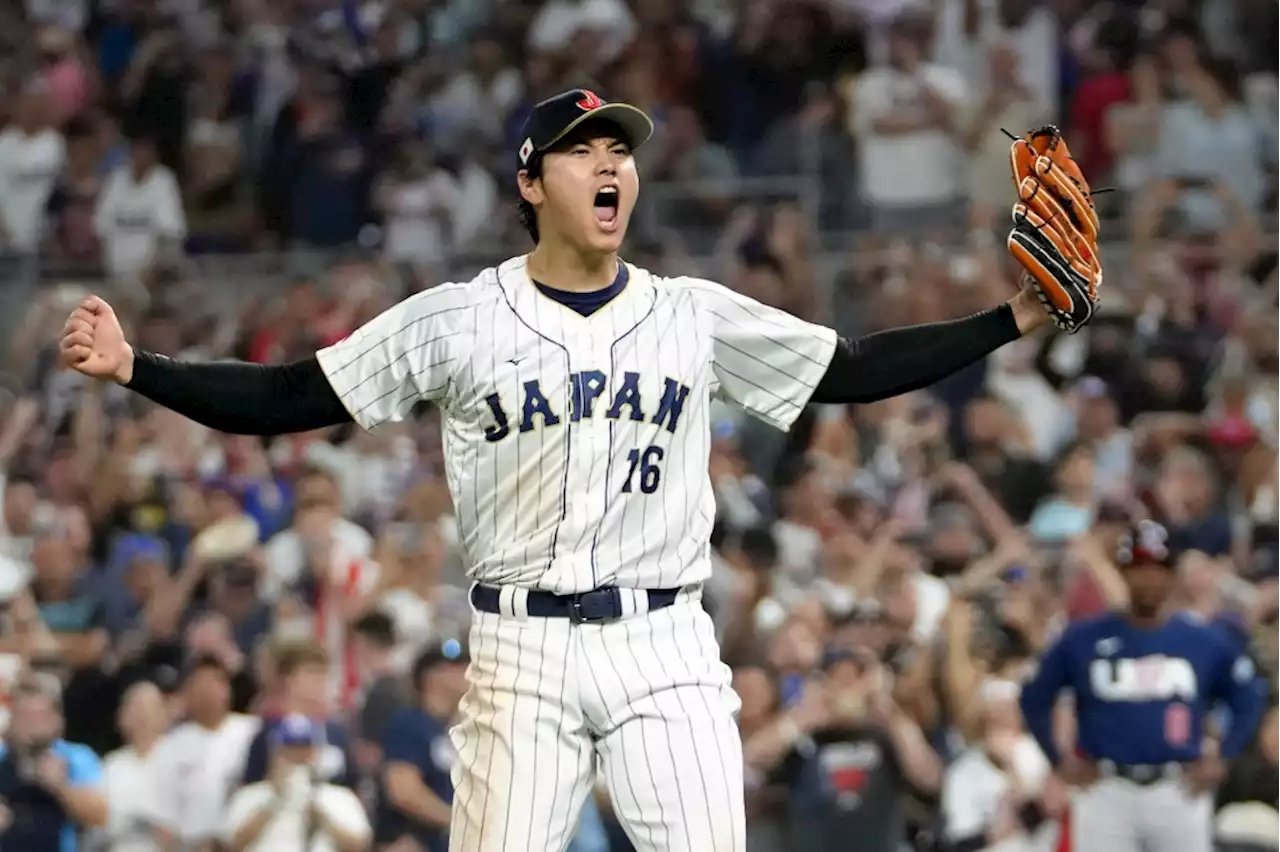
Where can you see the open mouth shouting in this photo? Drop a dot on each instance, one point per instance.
(606, 208)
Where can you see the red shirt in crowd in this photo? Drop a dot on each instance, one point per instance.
(1093, 99)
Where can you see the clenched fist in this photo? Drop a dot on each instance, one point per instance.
(93, 343)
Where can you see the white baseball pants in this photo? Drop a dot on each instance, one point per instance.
(645, 700)
(1117, 815)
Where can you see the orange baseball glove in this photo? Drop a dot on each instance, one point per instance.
(1055, 227)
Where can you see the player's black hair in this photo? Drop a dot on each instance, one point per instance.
(377, 629)
(524, 210)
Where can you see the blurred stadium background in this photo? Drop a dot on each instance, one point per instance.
(254, 179)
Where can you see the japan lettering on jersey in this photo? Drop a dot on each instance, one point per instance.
(1152, 678)
(576, 448)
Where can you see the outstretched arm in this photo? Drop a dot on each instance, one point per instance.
(241, 398)
(900, 360)
(377, 374)
(773, 364)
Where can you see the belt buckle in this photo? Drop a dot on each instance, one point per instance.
(595, 606)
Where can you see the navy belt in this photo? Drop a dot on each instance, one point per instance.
(604, 604)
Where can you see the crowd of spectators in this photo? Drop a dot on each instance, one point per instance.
(884, 574)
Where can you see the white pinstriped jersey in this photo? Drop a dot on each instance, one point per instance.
(577, 446)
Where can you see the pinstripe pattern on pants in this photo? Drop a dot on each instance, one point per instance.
(647, 699)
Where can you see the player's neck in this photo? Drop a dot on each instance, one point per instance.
(564, 267)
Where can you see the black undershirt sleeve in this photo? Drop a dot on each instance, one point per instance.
(255, 399)
(241, 398)
(894, 362)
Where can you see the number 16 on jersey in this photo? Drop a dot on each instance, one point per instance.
(644, 470)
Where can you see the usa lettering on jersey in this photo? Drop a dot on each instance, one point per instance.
(1152, 678)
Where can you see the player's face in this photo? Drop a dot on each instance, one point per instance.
(1149, 587)
(587, 190)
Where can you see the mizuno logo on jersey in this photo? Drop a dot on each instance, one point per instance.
(1154, 678)
(586, 392)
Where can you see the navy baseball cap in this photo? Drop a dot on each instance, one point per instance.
(554, 118)
(296, 730)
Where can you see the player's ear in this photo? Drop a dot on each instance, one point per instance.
(530, 187)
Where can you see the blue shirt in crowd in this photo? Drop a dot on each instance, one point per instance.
(40, 823)
(415, 738)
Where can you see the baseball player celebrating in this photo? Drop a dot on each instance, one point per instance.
(574, 390)
(1144, 682)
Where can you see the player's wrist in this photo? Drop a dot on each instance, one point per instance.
(1028, 313)
(124, 375)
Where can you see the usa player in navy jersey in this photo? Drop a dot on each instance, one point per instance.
(1144, 682)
